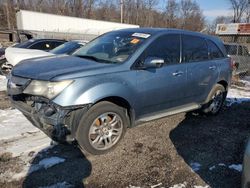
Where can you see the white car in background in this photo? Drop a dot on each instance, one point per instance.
(15, 55)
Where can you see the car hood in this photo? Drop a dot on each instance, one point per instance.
(47, 68)
(15, 55)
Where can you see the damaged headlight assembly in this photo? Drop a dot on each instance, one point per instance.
(46, 89)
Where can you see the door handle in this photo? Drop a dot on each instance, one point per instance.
(177, 73)
(212, 67)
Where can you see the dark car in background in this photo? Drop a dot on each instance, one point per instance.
(40, 44)
(119, 80)
(240, 56)
(45, 45)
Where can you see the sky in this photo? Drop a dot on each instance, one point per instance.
(212, 8)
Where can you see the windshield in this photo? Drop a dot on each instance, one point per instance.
(25, 44)
(115, 47)
(66, 48)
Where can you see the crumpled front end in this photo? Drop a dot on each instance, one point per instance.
(59, 123)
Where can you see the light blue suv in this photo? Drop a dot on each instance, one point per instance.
(119, 80)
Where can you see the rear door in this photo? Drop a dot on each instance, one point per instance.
(202, 72)
(162, 88)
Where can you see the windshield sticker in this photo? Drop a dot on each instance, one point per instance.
(134, 41)
(141, 35)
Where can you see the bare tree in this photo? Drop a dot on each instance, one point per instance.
(171, 13)
(184, 14)
(191, 16)
(239, 8)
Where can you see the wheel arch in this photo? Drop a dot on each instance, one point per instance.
(120, 101)
(224, 84)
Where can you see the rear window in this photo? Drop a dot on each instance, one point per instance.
(214, 51)
(194, 49)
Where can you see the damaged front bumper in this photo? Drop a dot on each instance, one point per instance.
(59, 123)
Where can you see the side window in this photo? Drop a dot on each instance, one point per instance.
(166, 47)
(194, 49)
(54, 44)
(214, 51)
(44, 45)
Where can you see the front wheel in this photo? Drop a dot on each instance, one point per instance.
(102, 127)
(216, 100)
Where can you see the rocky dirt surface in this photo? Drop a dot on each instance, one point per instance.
(184, 150)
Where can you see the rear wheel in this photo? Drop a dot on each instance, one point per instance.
(102, 127)
(216, 100)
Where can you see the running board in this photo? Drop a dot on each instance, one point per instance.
(170, 112)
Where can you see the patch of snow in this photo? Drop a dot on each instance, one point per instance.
(212, 167)
(239, 94)
(59, 185)
(221, 164)
(13, 124)
(180, 185)
(131, 186)
(3, 83)
(157, 185)
(195, 166)
(45, 164)
(19, 135)
(49, 162)
(237, 167)
(197, 186)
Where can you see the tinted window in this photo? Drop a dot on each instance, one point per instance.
(166, 47)
(54, 44)
(44, 45)
(66, 48)
(194, 49)
(214, 51)
(231, 49)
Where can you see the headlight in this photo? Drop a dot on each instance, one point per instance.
(45, 88)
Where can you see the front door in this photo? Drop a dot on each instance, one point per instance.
(162, 88)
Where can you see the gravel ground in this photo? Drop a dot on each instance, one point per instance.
(185, 150)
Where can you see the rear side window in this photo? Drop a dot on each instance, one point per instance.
(166, 47)
(214, 51)
(194, 49)
(44, 45)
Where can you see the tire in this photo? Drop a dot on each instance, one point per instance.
(216, 100)
(101, 128)
(6, 69)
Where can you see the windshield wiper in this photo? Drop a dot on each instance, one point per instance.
(96, 59)
(89, 57)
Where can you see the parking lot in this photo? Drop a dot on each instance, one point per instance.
(184, 150)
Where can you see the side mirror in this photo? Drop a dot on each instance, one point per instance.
(153, 62)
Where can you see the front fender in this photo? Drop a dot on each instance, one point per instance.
(98, 92)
